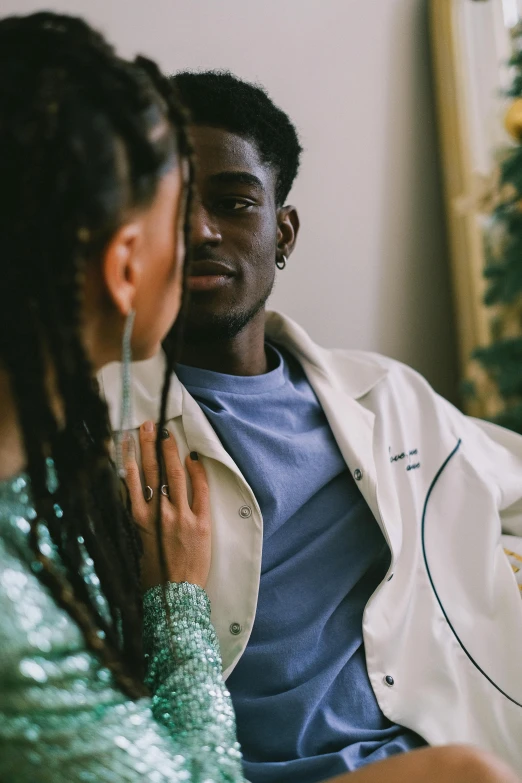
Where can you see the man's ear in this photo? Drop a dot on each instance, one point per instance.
(121, 267)
(287, 229)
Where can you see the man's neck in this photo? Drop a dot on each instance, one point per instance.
(243, 354)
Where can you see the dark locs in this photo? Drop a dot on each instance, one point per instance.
(76, 149)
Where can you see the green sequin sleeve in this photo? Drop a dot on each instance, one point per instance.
(184, 676)
(63, 719)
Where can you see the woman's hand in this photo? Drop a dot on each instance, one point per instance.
(186, 528)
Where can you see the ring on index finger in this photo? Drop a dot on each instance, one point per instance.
(149, 494)
(165, 490)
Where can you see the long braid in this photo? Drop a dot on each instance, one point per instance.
(69, 107)
(172, 344)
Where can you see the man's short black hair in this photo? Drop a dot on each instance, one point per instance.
(221, 100)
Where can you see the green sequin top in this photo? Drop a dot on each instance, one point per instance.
(63, 719)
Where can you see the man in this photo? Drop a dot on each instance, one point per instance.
(360, 590)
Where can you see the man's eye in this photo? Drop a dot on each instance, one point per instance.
(234, 204)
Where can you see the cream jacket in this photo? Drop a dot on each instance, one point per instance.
(443, 632)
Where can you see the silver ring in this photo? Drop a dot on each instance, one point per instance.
(149, 494)
(165, 490)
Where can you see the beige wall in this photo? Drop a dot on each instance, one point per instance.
(370, 269)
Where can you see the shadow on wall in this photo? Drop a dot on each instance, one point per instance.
(415, 283)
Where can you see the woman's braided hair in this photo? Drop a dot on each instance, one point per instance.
(76, 149)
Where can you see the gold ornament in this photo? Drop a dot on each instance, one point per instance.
(513, 120)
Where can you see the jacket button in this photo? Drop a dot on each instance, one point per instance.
(358, 474)
(245, 512)
(235, 629)
(389, 681)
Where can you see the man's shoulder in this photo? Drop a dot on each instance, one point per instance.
(355, 369)
(400, 397)
(356, 356)
(281, 328)
(390, 377)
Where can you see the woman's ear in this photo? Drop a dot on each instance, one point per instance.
(122, 267)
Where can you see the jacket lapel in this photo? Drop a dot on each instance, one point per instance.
(339, 384)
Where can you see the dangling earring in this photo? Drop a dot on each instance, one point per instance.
(126, 391)
(281, 262)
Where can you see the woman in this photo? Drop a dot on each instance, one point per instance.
(94, 164)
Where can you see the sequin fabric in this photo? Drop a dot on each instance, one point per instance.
(63, 719)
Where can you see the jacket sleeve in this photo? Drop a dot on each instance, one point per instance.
(63, 720)
(499, 457)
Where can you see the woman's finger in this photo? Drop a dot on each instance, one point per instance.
(200, 490)
(149, 462)
(174, 473)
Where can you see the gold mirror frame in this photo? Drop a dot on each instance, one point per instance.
(470, 48)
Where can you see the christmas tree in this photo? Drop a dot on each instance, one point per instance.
(500, 380)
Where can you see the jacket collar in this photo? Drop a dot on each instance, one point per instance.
(354, 373)
(147, 381)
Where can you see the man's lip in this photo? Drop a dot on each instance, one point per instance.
(207, 282)
(209, 268)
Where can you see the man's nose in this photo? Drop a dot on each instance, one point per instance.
(205, 229)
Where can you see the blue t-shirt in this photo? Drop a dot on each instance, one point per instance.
(304, 704)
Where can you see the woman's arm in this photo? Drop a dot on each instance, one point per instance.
(62, 719)
(184, 676)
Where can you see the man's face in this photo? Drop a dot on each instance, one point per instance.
(235, 234)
